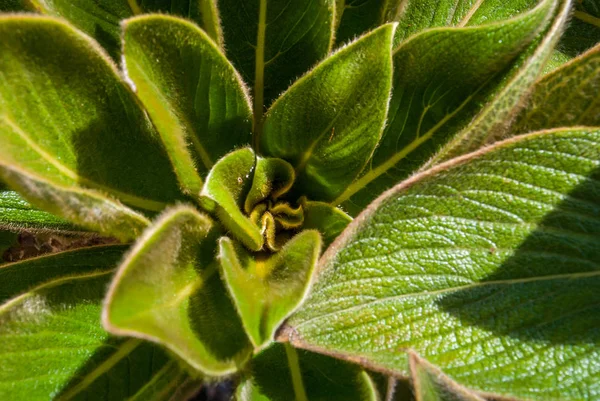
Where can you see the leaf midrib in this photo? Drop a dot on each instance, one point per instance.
(134, 200)
(566, 276)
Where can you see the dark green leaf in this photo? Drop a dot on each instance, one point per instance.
(267, 288)
(503, 103)
(273, 42)
(7, 240)
(75, 123)
(439, 77)
(356, 17)
(495, 254)
(329, 122)
(192, 93)
(430, 384)
(168, 290)
(225, 192)
(324, 378)
(16, 214)
(53, 346)
(569, 96)
(18, 277)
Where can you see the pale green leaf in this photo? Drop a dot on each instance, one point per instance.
(328, 123)
(272, 42)
(54, 347)
(168, 290)
(328, 220)
(569, 96)
(17, 214)
(272, 179)
(440, 78)
(502, 104)
(193, 94)
(225, 192)
(430, 384)
(488, 266)
(19, 277)
(267, 288)
(324, 378)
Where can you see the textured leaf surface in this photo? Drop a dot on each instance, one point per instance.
(272, 42)
(67, 119)
(168, 290)
(54, 347)
(488, 267)
(225, 192)
(569, 96)
(192, 93)
(328, 123)
(502, 105)
(19, 277)
(324, 378)
(439, 79)
(266, 288)
(16, 213)
(430, 384)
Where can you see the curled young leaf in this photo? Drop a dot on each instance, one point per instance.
(267, 288)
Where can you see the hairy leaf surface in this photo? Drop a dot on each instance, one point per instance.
(328, 123)
(54, 347)
(16, 213)
(272, 42)
(439, 77)
(487, 266)
(193, 94)
(168, 291)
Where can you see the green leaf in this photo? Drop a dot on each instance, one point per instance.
(225, 192)
(75, 123)
(17, 214)
(193, 94)
(430, 384)
(488, 266)
(569, 96)
(439, 79)
(101, 18)
(19, 277)
(267, 288)
(272, 179)
(328, 123)
(502, 104)
(171, 382)
(271, 42)
(168, 290)
(53, 346)
(324, 378)
(356, 17)
(7, 240)
(329, 220)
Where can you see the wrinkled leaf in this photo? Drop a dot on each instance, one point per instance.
(328, 123)
(53, 346)
(502, 104)
(168, 290)
(272, 178)
(439, 78)
(16, 214)
(324, 378)
(19, 277)
(192, 93)
(569, 96)
(430, 384)
(224, 194)
(272, 43)
(267, 288)
(487, 266)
